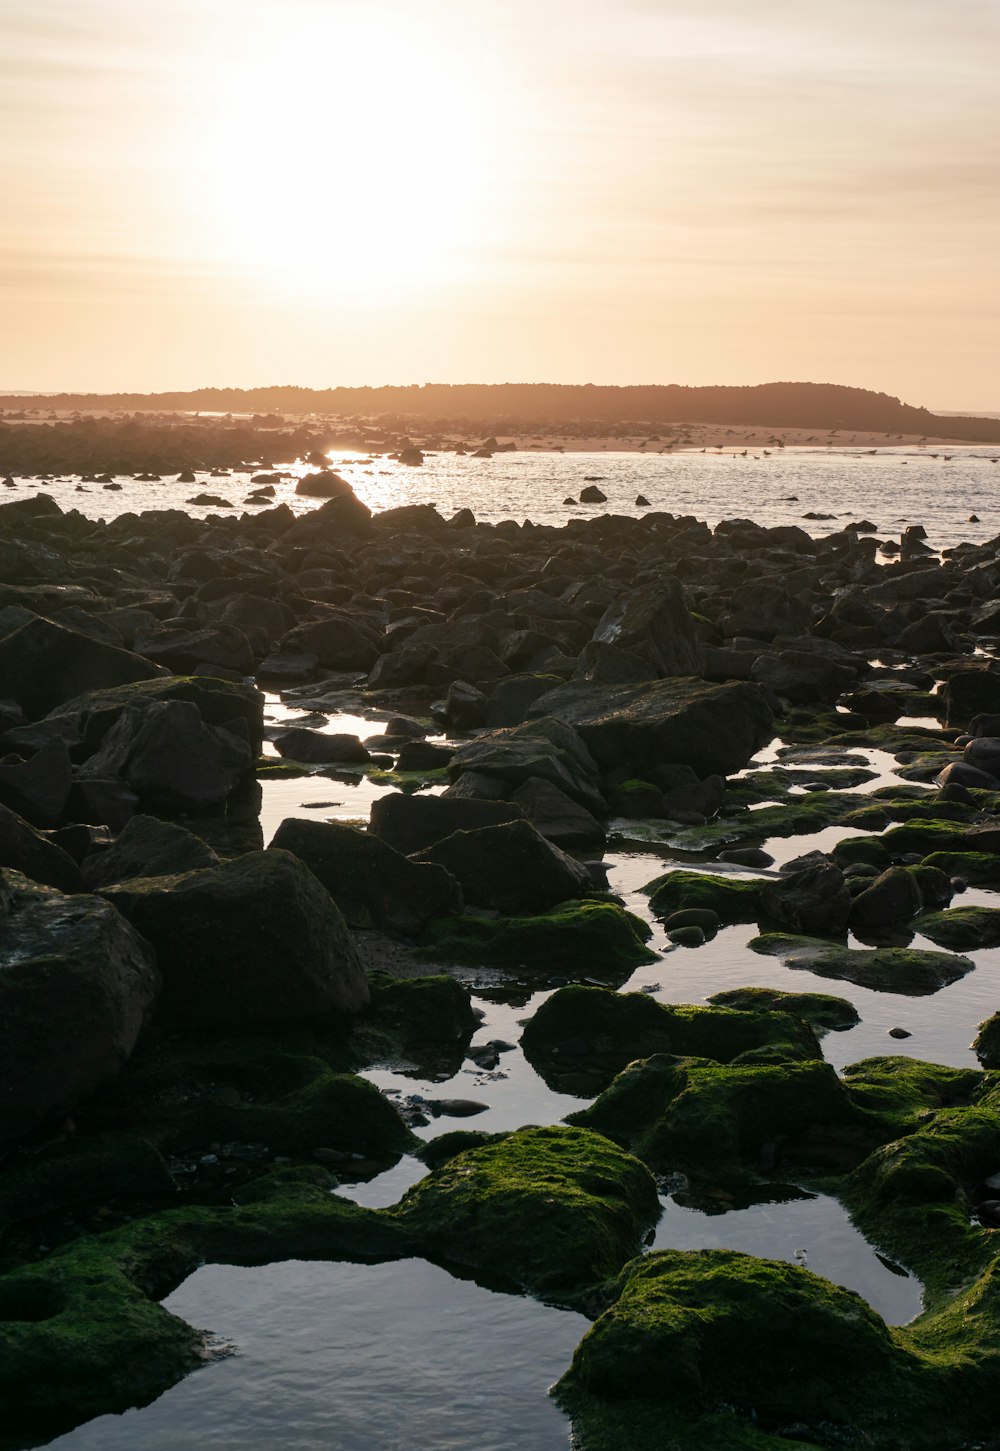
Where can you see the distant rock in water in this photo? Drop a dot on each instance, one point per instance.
(592, 495)
(324, 485)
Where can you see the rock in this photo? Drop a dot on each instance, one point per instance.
(546, 749)
(686, 936)
(323, 485)
(509, 868)
(655, 624)
(577, 937)
(970, 692)
(25, 850)
(372, 884)
(148, 847)
(711, 728)
(987, 1042)
(39, 788)
(701, 917)
(319, 748)
(338, 641)
(823, 1012)
(962, 929)
(555, 1209)
(669, 1341)
(457, 1107)
(557, 816)
(731, 898)
(511, 697)
(746, 856)
(423, 756)
(814, 901)
(76, 986)
(904, 970)
(763, 610)
(465, 706)
(899, 1033)
(43, 665)
(893, 897)
(182, 650)
(167, 755)
(410, 823)
(591, 494)
(256, 940)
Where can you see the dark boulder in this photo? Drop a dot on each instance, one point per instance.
(318, 748)
(76, 985)
(510, 868)
(25, 850)
(256, 940)
(43, 665)
(814, 901)
(148, 847)
(655, 624)
(372, 884)
(39, 788)
(411, 823)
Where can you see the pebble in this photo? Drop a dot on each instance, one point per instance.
(458, 1107)
(747, 856)
(899, 1033)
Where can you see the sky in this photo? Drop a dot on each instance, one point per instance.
(323, 192)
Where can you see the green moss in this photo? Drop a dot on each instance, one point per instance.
(579, 937)
(555, 1209)
(901, 1092)
(731, 898)
(716, 1123)
(707, 1329)
(798, 814)
(866, 850)
(981, 868)
(270, 770)
(962, 928)
(409, 780)
(823, 1012)
(604, 1031)
(904, 970)
(923, 837)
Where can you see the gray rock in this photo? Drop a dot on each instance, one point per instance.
(148, 847)
(510, 868)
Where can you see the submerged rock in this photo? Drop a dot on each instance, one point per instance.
(906, 970)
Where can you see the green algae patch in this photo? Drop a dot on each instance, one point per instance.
(980, 868)
(962, 929)
(822, 1011)
(719, 1123)
(82, 1334)
(861, 851)
(923, 837)
(409, 780)
(731, 898)
(902, 1092)
(271, 770)
(705, 1332)
(799, 814)
(986, 1045)
(905, 970)
(558, 1210)
(603, 1031)
(580, 937)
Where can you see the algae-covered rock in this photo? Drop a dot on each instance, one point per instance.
(717, 1122)
(509, 868)
(987, 1042)
(578, 937)
(556, 1209)
(731, 898)
(979, 868)
(603, 1030)
(255, 940)
(962, 929)
(425, 1022)
(148, 847)
(814, 900)
(100, 1167)
(823, 1012)
(906, 970)
(706, 1331)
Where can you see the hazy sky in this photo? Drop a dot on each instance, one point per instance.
(365, 191)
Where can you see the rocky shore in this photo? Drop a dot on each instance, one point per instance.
(186, 1015)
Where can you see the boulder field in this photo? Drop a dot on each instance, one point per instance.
(187, 1012)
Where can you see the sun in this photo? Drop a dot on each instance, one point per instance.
(347, 158)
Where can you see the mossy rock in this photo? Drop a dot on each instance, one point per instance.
(980, 868)
(905, 970)
(731, 898)
(903, 1092)
(604, 1031)
(81, 1171)
(987, 1042)
(962, 929)
(439, 1150)
(793, 817)
(822, 1011)
(271, 770)
(923, 837)
(82, 1334)
(706, 1331)
(717, 1123)
(558, 1210)
(579, 937)
(866, 850)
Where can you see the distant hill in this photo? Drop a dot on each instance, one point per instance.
(521, 405)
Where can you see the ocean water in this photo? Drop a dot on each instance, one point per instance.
(891, 487)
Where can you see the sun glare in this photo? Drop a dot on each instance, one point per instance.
(348, 159)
